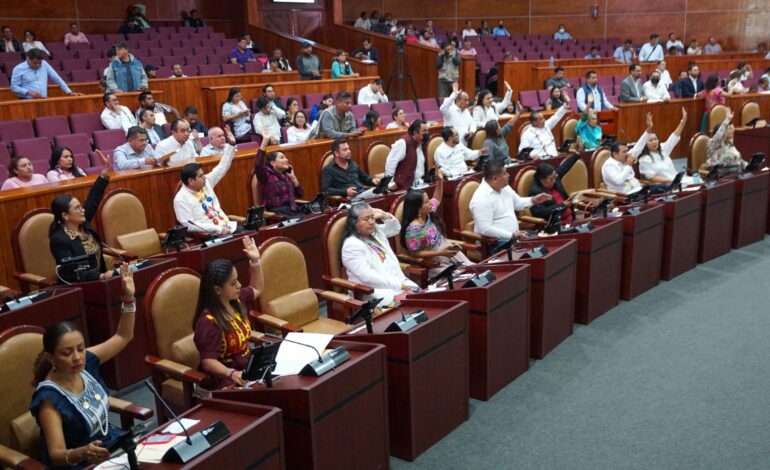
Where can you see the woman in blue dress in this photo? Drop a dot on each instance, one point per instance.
(70, 402)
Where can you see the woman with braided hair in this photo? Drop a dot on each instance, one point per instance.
(221, 322)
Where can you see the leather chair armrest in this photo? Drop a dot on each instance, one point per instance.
(465, 246)
(337, 200)
(273, 322)
(417, 274)
(237, 218)
(10, 458)
(415, 261)
(531, 219)
(118, 253)
(130, 410)
(161, 237)
(349, 285)
(174, 369)
(34, 279)
(256, 336)
(336, 297)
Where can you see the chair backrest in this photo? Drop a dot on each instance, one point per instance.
(598, 158)
(374, 164)
(78, 143)
(697, 151)
(568, 129)
(142, 243)
(433, 144)
(51, 126)
(86, 123)
(478, 139)
(19, 347)
(109, 139)
(332, 237)
(31, 244)
(463, 202)
(717, 115)
(170, 304)
(397, 209)
(523, 129)
(36, 148)
(14, 130)
(120, 212)
(576, 178)
(523, 181)
(749, 111)
(285, 273)
(427, 104)
(326, 160)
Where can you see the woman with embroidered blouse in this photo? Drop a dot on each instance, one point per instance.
(277, 182)
(70, 402)
(221, 324)
(721, 148)
(422, 230)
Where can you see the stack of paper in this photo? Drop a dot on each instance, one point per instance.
(293, 357)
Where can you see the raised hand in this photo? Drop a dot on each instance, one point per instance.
(455, 87)
(251, 250)
(649, 122)
(507, 86)
(106, 162)
(684, 114)
(230, 136)
(127, 283)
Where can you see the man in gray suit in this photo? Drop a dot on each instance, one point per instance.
(631, 87)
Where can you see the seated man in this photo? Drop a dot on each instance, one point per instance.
(592, 87)
(8, 43)
(241, 53)
(135, 153)
(406, 160)
(655, 90)
(665, 77)
(625, 54)
(500, 30)
(266, 120)
(549, 180)
(147, 101)
(692, 86)
(468, 50)
(75, 36)
(154, 131)
(372, 94)
(30, 78)
(283, 62)
(193, 20)
(366, 52)
(712, 46)
(539, 135)
(450, 157)
(673, 42)
(196, 200)
(177, 72)
(594, 54)
(343, 177)
(618, 172)
(338, 122)
(494, 205)
(218, 139)
(457, 115)
(182, 142)
(268, 91)
(272, 66)
(558, 79)
(631, 87)
(561, 34)
(191, 116)
(651, 51)
(116, 116)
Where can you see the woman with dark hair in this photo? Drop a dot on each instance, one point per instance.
(70, 402)
(721, 147)
(318, 108)
(299, 132)
(548, 180)
(371, 120)
(714, 95)
(236, 113)
(655, 161)
(71, 233)
(341, 67)
(496, 143)
(422, 230)
(292, 107)
(399, 119)
(277, 182)
(22, 174)
(31, 42)
(62, 166)
(221, 323)
(555, 99)
(486, 110)
(367, 256)
(735, 85)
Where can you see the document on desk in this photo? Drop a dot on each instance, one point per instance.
(153, 453)
(175, 428)
(292, 357)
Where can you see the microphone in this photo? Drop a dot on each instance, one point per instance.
(168, 408)
(318, 353)
(211, 233)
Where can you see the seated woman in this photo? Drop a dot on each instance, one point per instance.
(70, 402)
(318, 108)
(721, 149)
(399, 119)
(22, 174)
(735, 85)
(366, 253)
(655, 161)
(548, 180)
(62, 166)
(496, 143)
(221, 324)
(71, 233)
(588, 132)
(299, 132)
(372, 121)
(341, 67)
(486, 110)
(555, 99)
(422, 230)
(278, 183)
(292, 107)
(236, 114)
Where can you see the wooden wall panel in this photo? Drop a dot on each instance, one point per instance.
(489, 10)
(648, 6)
(561, 8)
(354, 9)
(639, 26)
(579, 25)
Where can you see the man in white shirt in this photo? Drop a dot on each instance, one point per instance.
(456, 113)
(651, 51)
(217, 140)
(115, 116)
(591, 86)
(362, 22)
(406, 159)
(450, 157)
(494, 204)
(372, 94)
(539, 135)
(618, 172)
(654, 89)
(665, 77)
(182, 142)
(673, 42)
(196, 201)
(267, 119)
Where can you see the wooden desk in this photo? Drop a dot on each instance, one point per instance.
(498, 334)
(552, 292)
(338, 420)
(64, 105)
(599, 254)
(681, 226)
(427, 373)
(64, 304)
(102, 300)
(198, 256)
(255, 441)
(642, 251)
(716, 226)
(751, 206)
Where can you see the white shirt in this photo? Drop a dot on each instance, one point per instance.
(188, 205)
(580, 96)
(736, 86)
(364, 266)
(122, 119)
(270, 121)
(184, 151)
(368, 97)
(541, 138)
(665, 78)
(482, 114)
(452, 160)
(678, 44)
(650, 53)
(461, 120)
(394, 125)
(494, 213)
(398, 153)
(620, 177)
(295, 135)
(209, 150)
(362, 23)
(655, 94)
(659, 163)
(469, 33)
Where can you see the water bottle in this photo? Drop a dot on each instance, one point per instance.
(696, 178)
(550, 62)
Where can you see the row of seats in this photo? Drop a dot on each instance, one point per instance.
(539, 39)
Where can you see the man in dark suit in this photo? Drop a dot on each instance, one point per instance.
(631, 87)
(692, 85)
(367, 52)
(548, 181)
(8, 43)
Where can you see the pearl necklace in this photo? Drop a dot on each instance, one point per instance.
(82, 398)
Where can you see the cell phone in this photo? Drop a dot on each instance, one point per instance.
(454, 248)
(289, 170)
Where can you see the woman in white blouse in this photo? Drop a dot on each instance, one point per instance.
(366, 253)
(735, 85)
(299, 131)
(399, 120)
(655, 160)
(485, 110)
(236, 113)
(62, 166)
(31, 42)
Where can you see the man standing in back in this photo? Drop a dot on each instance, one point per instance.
(125, 73)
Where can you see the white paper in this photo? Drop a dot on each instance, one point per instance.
(691, 188)
(153, 453)
(175, 428)
(116, 463)
(291, 357)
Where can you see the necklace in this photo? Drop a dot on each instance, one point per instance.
(91, 394)
(72, 234)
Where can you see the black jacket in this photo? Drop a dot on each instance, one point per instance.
(16, 45)
(62, 246)
(687, 87)
(543, 210)
(371, 54)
